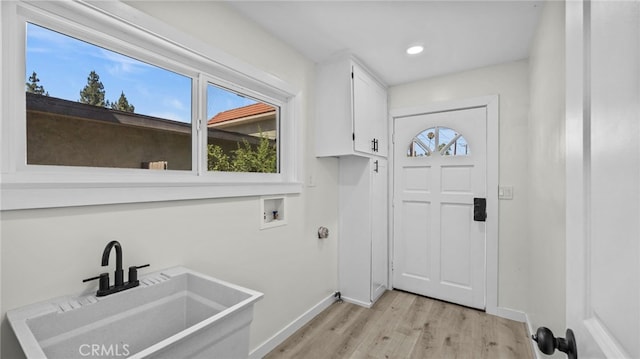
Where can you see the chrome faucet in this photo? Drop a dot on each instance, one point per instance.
(119, 285)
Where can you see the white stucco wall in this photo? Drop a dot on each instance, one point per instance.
(46, 253)
(510, 82)
(546, 157)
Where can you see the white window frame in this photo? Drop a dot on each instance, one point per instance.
(121, 28)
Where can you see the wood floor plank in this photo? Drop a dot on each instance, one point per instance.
(382, 336)
(411, 327)
(404, 325)
(432, 337)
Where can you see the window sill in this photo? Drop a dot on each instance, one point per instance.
(16, 196)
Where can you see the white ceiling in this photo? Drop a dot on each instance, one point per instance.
(457, 35)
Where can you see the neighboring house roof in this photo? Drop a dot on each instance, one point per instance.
(241, 113)
(72, 109)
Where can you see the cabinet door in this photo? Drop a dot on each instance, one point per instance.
(379, 233)
(365, 110)
(354, 223)
(379, 120)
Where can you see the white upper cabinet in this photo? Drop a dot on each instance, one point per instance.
(351, 112)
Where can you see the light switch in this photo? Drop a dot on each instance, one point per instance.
(505, 192)
(311, 180)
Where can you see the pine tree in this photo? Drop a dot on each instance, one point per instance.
(33, 87)
(122, 104)
(93, 92)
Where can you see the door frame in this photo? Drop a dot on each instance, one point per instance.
(491, 103)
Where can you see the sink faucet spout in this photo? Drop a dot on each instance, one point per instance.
(119, 280)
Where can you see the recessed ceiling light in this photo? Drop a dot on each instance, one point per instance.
(414, 50)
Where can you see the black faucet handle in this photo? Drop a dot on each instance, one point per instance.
(133, 272)
(104, 281)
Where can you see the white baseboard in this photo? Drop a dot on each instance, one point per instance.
(522, 317)
(604, 340)
(357, 302)
(270, 344)
(512, 314)
(534, 349)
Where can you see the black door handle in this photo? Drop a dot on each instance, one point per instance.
(548, 344)
(480, 209)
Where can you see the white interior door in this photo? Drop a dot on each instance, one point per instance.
(439, 168)
(603, 177)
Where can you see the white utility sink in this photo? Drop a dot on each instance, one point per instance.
(174, 313)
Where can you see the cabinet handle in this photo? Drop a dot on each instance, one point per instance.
(375, 169)
(374, 145)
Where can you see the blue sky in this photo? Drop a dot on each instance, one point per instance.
(64, 63)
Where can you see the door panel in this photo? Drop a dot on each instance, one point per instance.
(603, 177)
(369, 113)
(363, 112)
(414, 243)
(380, 238)
(439, 167)
(456, 179)
(456, 237)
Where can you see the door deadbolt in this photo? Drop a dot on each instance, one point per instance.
(480, 209)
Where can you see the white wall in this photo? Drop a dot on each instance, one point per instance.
(546, 144)
(510, 82)
(46, 253)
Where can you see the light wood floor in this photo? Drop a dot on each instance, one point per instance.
(403, 325)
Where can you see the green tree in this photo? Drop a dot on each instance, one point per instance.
(217, 159)
(33, 87)
(122, 104)
(93, 92)
(246, 158)
(261, 159)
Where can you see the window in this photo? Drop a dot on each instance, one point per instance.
(242, 133)
(441, 141)
(92, 107)
(112, 106)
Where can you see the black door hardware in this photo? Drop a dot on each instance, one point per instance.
(480, 209)
(547, 343)
(375, 169)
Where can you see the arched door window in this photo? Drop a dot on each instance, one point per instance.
(438, 141)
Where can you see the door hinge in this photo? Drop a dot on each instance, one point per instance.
(353, 136)
(351, 74)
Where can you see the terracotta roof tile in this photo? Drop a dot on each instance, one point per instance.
(241, 112)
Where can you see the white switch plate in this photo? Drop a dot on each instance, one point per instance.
(311, 180)
(505, 192)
